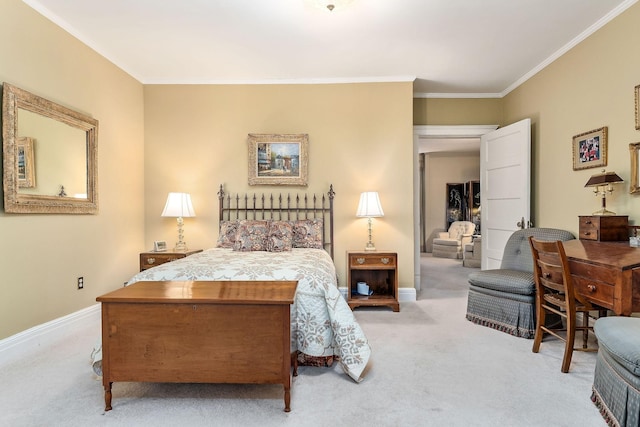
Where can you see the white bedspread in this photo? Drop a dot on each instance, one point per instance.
(322, 324)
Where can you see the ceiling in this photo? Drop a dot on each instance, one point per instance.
(448, 48)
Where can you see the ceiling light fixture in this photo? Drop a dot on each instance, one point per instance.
(330, 5)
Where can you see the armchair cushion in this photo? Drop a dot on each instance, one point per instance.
(512, 281)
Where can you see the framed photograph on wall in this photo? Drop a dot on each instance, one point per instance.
(637, 96)
(278, 159)
(26, 163)
(590, 149)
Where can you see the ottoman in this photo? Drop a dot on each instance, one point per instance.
(616, 382)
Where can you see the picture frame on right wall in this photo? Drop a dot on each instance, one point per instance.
(637, 97)
(590, 149)
(634, 151)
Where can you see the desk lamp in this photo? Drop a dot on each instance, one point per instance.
(602, 184)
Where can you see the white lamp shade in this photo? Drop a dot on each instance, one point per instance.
(179, 205)
(369, 206)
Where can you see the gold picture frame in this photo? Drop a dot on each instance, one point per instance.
(26, 163)
(278, 159)
(637, 98)
(634, 152)
(590, 149)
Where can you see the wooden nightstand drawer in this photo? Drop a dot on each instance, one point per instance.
(151, 259)
(378, 260)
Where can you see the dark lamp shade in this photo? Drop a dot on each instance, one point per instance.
(603, 179)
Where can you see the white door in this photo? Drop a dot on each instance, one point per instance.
(505, 180)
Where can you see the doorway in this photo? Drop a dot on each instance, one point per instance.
(436, 139)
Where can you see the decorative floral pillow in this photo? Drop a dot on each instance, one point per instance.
(307, 233)
(227, 237)
(280, 236)
(251, 236)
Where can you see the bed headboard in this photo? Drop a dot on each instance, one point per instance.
(280, 207)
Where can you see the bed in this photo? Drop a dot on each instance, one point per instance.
(280, 237)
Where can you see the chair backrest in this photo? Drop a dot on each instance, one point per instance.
(517, 251)
(458, 228)
(551, 271)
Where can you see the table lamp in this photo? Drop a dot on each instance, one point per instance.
(602, 184)
(369, 207)
(179, 206)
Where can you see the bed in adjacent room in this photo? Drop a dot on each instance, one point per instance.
(280, 237)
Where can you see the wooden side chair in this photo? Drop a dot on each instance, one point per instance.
(555, 294)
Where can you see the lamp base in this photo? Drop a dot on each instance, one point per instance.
(603, 212)
(180, 247)
(370, 246)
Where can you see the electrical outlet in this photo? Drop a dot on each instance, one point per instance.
(80, 282)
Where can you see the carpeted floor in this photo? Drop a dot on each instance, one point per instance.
(430, 367)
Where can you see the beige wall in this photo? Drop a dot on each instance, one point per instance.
(41, 256)
(589, 87)
(457, 111)
(360, 139)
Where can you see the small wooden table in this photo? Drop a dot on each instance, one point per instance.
(198, 332)
(607, 273)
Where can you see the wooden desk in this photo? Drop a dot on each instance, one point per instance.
(198, 332)
(607, 273)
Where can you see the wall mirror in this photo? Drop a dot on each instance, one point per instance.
(49, 156)
(634, 150)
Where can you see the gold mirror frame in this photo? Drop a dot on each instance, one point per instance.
(634, 151)
(15, 98)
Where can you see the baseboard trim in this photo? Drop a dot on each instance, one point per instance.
(18, 345)
(404, 294)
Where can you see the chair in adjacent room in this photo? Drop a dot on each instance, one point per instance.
(504, 298)
(472, 253)
(449, 243)
(555, 294)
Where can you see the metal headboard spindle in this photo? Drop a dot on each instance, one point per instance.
(249, 208)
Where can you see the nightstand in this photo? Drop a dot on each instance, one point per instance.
(151, 259)
(380, 271)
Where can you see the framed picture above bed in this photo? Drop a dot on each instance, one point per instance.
(278, 159)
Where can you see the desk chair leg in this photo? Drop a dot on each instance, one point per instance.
(585, 331)
(568, 348)
(540, 319)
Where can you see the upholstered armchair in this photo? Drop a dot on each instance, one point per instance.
(472, 253)
(449, 243)
(505, 298)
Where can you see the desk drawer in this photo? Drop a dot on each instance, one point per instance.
(597, 292)
(595, 282)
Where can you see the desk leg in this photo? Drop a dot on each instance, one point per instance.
(107, 396)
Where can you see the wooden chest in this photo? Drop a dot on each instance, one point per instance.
(198, 332)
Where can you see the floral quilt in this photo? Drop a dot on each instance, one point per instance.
(322, 324)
